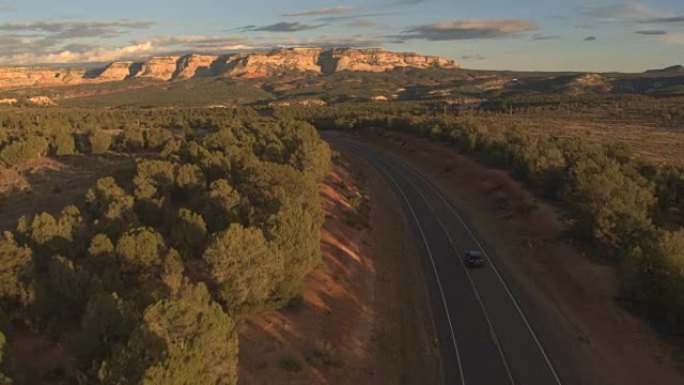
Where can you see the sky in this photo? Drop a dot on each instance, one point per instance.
(551, 35)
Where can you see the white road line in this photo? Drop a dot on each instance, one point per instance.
(468, 276)
(496, 271)
(432, 260)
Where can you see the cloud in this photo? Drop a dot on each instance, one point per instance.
(35, 42)
(58, 32)
(471, 57)
(43, 41)
(282, 27)
(330, 41)
(80, 53)
(674, 37)
(66, 26)
(541, 37)
(8, 7)
(622, 12)
(630, 12)
(651, 32)
(321, 11)
(334, 19)
(198, 43)
(363, 24)
(590, 38)
(18, 49)
(469, 29)
(673, 19)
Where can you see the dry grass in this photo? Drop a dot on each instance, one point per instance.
(651, 142)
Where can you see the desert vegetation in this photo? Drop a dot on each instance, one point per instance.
(629, 210)
(144, 279)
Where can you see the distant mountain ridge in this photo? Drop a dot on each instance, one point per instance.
(250, 65)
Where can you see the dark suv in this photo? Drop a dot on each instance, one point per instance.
(474, 258)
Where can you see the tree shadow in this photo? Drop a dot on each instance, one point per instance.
(50, 184)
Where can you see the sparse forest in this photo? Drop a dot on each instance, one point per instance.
(143, 280)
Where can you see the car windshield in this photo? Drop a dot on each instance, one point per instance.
(474, 254)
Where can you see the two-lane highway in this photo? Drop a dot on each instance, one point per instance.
(484, 334)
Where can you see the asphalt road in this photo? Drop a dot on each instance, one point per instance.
(484, 331)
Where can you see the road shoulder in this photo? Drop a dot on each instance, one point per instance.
(570, 294)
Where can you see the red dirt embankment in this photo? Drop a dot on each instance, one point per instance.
(364, 316)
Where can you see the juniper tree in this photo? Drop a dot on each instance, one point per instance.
(183, 340)
(16, 272)
(243, 265)
(100, 142)
(63, 144)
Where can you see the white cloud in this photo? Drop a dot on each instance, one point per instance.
(468, 29)
(322, 11)
(80, 53)
(93, 54)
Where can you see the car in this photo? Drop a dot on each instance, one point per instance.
(474, 258)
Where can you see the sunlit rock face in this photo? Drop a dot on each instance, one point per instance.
(117, 71)
(191, 66)
(161, 67)
(36, 76)
(250, 65)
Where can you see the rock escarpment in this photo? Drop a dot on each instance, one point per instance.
(34, 76)
(248, 65)
(377, 60)
(162, 68)
(117, 71)
(191, 66)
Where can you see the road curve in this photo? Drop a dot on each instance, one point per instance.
(484, 333)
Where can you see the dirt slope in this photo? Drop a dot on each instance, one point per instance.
(363, 318)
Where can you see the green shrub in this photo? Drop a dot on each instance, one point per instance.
(189, 232)
(156, 138)
(133, 138)
(99, 142)
(186, 339)
(16, 272)
(63, 144)
(140, 248)
(3, 359)
(23, 150)
(244, 267)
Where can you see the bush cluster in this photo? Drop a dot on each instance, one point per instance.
(142, 282)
